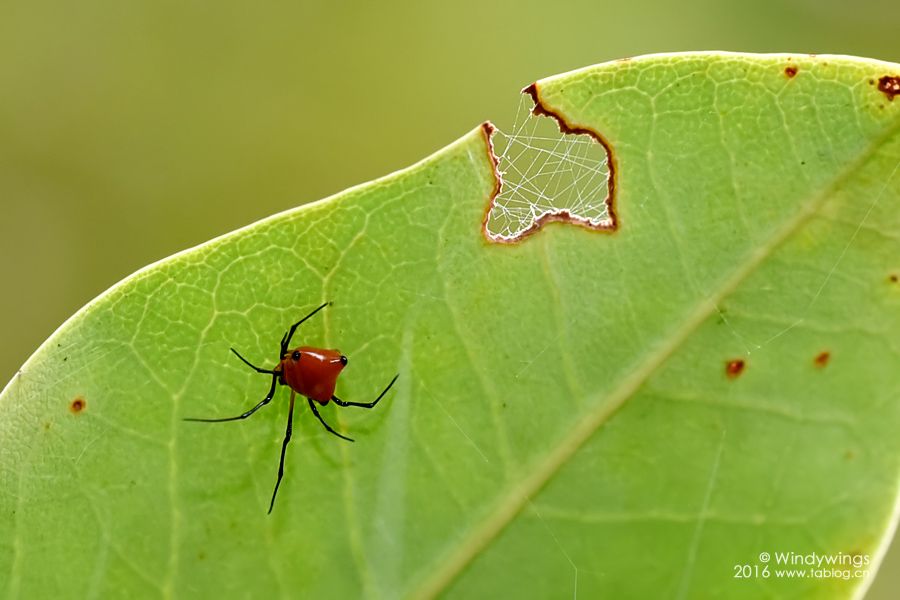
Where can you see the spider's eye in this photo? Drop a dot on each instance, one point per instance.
(296, 355)
(343, 360)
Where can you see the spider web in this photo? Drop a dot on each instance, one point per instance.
(547, 175)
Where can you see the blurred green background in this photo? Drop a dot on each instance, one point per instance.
(131, 130)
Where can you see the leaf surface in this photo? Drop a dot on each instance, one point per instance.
(630, 413)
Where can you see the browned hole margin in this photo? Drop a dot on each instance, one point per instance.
(563, 216)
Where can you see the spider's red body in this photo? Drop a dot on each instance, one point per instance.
(312, 372)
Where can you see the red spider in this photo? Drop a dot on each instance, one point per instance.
(310, 372)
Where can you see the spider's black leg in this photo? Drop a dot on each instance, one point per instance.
(287, 438)
(286, 338)
(340, 402)
(264, 401)
(312, 405)
(252, 366)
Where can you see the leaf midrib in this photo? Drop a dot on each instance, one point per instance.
(511, 504)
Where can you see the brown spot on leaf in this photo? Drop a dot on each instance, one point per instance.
(893, 278)
(889, 85)
(733, 368)
(790, 71)
(78, 405)
(822, 358)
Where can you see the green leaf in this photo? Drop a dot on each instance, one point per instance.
(572, 414)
